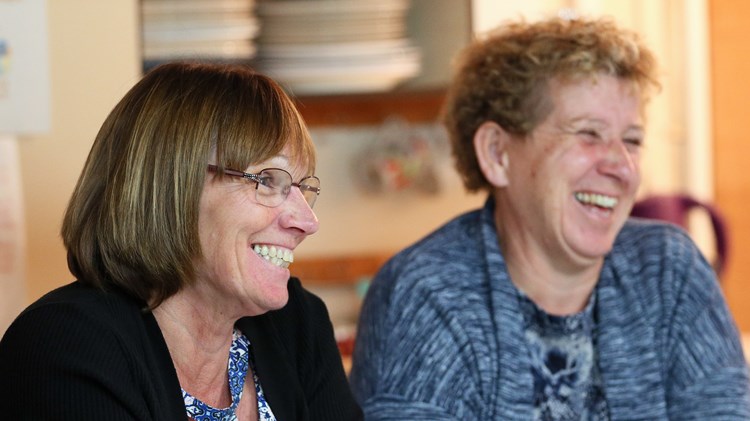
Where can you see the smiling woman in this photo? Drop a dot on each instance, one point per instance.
(566, 188)
(550, 302)
(197, 189)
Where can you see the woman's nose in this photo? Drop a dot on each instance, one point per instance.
(620, 162)
(298, 213)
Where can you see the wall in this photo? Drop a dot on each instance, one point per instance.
(93, 60)
(355, 222)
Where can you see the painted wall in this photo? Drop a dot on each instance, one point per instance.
(93, 56)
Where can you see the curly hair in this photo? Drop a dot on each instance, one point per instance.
(503, 77)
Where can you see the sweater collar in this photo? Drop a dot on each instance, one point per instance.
(625, 343)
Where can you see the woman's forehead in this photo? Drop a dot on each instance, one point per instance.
(295, 165)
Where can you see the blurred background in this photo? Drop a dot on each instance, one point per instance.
(369, 77)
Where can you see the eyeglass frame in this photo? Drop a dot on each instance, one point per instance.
(257, 180)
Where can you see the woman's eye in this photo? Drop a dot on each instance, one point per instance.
(590, 134)
(635, 142)
(266, 180)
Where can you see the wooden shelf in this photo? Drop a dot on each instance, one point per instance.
(337, 269)
(371, 109)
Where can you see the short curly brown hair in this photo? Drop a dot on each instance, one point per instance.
(503, 77)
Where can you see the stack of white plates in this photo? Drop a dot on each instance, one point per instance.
(221, 30)
(336, 46)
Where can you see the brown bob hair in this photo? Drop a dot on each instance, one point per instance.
(132, 221)
(503, 77)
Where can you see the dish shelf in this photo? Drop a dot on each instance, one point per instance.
(439, 28)
(416, 106)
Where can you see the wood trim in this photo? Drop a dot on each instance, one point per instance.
(730, 65)
(371, 109)
(337, 269)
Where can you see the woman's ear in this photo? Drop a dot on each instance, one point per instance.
(490, 145)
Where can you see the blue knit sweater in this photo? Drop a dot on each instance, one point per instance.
(440, 333)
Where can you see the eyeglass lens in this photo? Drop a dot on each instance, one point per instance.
(274, 185)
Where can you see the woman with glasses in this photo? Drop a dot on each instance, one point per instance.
(549, 303)
(180, 231)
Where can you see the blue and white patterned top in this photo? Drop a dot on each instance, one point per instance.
(567, 382)
(239, 361)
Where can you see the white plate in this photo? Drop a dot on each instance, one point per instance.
(329, 18)
(343, 63)
(201, 22)
(162, 33)
(392, 69)
(327, 7)
(332, 84)
(351, 86)
(333, 33)
(178, 7)
(220, 50)
(337, 50)
(327, 38)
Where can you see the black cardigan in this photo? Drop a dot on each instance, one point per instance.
(79, 353)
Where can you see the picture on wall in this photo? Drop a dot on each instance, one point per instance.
(24, 69)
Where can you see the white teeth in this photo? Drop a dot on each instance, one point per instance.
(596, 199)
(276, 255)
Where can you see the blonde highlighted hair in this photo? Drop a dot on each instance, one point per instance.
(132, 221)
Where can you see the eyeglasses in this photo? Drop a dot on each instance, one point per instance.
(272, 185)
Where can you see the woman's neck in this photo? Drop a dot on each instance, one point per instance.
(553, 284)
(555, 293)
(198, 343)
